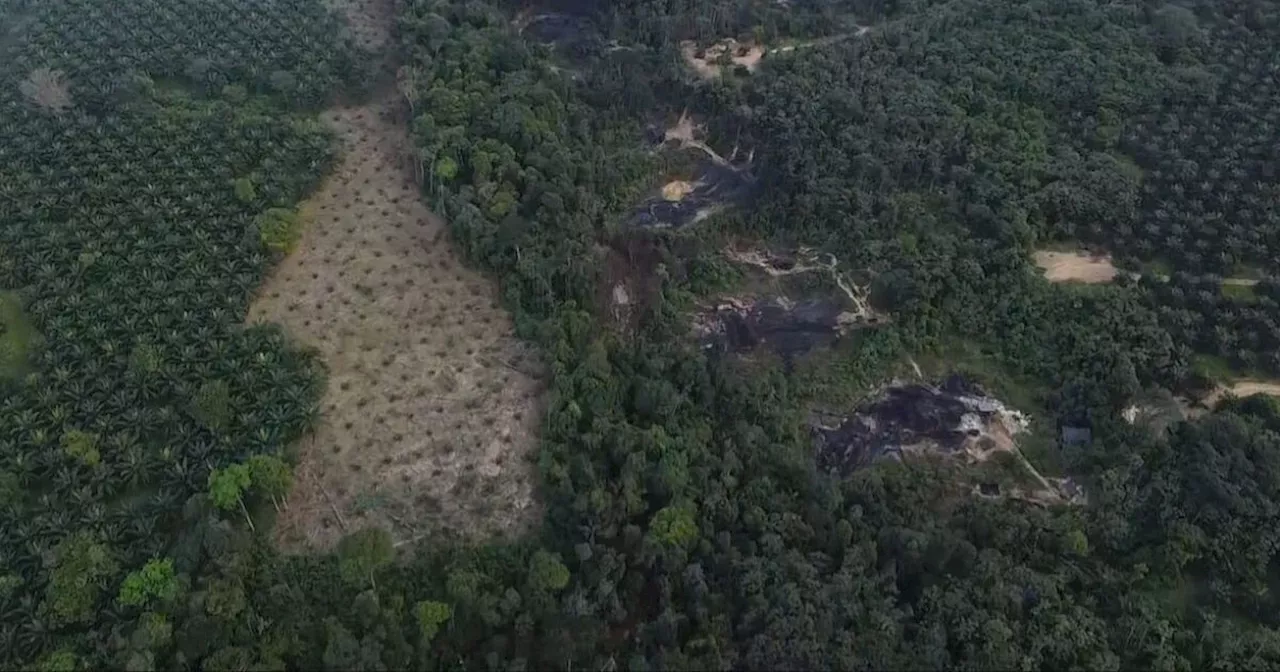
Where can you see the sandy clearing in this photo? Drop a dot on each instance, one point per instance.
(676, 190)
(369, 21)
(427, 419)
(708, 66)
(1242, 388)
(1076, 267)
(1097, 269)
(685, 132)
(431, 413)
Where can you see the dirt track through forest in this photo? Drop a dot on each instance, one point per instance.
(430, 413)
(1242, 388)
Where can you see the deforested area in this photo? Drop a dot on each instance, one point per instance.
(770, 335)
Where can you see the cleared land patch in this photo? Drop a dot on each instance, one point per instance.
(709, 63)
(1242, 388)
(1098, 268)
(1076, 267)
(430, 413)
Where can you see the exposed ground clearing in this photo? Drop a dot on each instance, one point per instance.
(686, 133)
(808, 261)
(1076, 267)
(1242, 388)
(430, 410)
(369, 21)
(676, 190)
(47, 89)
(1097, 269)
(709, 65)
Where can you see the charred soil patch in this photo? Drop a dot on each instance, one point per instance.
(711, 182)
(431, 411)
(793, 304)
(955, 420)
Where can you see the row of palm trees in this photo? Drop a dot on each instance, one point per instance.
(1209, 159)
(213, 43)
(135, 259)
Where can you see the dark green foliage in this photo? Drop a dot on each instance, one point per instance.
(127, 264)
(686, 527)
(100, 43)
(362, 553)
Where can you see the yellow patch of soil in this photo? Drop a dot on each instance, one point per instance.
(676, 190)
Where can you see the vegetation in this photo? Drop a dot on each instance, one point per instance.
(145, 433)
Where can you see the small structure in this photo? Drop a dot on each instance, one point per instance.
(1076, 436)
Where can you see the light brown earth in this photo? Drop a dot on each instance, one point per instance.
(747, 54)
(1242, 388)
(369, 21)
(432, 405)
(1096, 268)
(676, 190)
(708, 67)
(1076, 267)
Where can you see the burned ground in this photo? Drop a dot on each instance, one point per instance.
(955, 420)
(712, 181)
(792, 303)
(789, 328)
(713, 186)
(947, 419)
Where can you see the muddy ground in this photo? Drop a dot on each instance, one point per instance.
(432, 406)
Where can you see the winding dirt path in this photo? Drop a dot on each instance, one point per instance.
(430, 416)
(1242, 388)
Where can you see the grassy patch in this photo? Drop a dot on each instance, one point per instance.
(280, 229)
(1244, 293)
(838, 378)
(17, 337)
(1158, 267)
(1213, 367)
(1247, 272)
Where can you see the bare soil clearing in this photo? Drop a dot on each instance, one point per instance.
(954, 420)
(686, 133)
(369, 21)
(1242, 388)
(709, 65)
(1076, 267)
(432, 408)
(809, 261)
(1096, 269)
(676, 190)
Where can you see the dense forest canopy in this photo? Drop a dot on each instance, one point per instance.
(153, 155)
